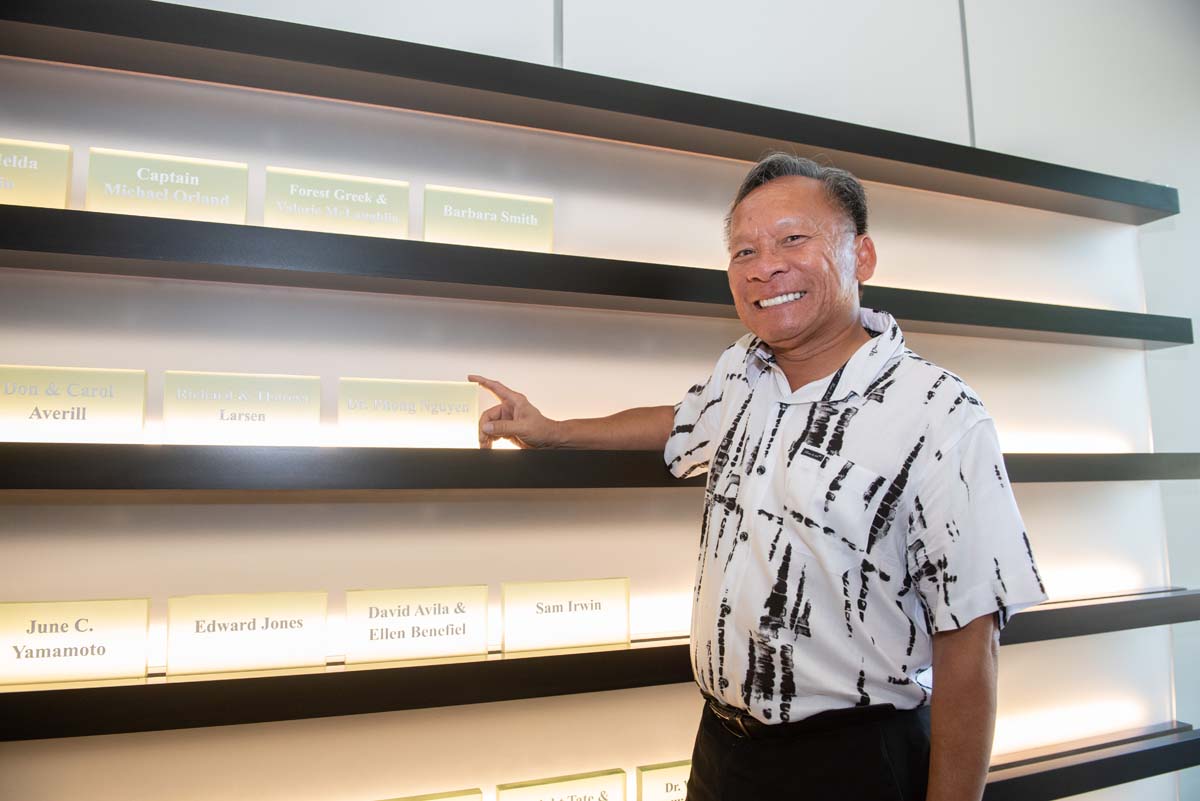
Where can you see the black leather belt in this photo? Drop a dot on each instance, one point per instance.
(742, 724)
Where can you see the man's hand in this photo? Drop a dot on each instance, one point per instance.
(513, 418)
(644, 428)
(964, 710)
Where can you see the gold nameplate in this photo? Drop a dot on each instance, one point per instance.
(604, 785)
(465, 795)
(409, 414)
(419, 623)
(241, 408)
(57, 641)
(340, 204)
(565, 614)
(152, 185)
(489, 219)
(262, 631)
(71, 404)
(663, 782)
(34, 173)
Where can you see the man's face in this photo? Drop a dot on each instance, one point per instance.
(795, 263)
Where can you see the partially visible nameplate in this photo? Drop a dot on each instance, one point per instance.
(604, 785)
(240, 408)
(489, 219)
(34, 173)
(230, 633)
(413, 414)
(153, 185)
(71, 404)
(464, 795)
(663, 782)
(340, 204)
(418, 623)
(57, 641)
(565, 614)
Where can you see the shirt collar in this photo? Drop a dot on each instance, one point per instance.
(855, 377)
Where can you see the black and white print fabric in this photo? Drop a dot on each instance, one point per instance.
(845, 523)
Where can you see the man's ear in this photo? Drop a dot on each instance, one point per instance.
(864, 260)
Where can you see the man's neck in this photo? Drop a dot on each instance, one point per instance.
(808, 362)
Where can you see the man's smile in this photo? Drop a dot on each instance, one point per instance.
(779, 300)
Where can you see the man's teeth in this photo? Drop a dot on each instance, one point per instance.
(775, 301)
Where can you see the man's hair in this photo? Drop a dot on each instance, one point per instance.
(843, 189)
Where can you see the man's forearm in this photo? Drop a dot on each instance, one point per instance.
(964, 711)
(644, 428)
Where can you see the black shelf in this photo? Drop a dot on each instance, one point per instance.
(1054, 621)
(115, 244)
(274, 472)
(190, 704)
(73, 712)
(1071, 768)
(180, 42)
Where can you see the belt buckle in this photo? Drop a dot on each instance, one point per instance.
(730, 718)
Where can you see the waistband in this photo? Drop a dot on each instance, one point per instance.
(743, 725)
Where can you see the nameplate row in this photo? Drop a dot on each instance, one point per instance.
(180, 187)
(65, 641)
(662, 782)
(60, 404)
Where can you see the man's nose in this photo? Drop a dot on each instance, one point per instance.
(767, 266)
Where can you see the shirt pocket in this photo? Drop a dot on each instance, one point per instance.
(840, 507)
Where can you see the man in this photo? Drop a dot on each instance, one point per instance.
(859, 524)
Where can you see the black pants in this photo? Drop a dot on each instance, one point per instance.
(870, 757)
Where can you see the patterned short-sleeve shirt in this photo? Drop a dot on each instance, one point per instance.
(845, 523)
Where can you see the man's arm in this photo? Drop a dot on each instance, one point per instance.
(964, 710)
(515, 418)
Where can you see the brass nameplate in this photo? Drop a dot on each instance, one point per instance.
(243, 632)
(663, 782)
(34, 173)
(565, 614)
(240, 408)
(71, 404)
(605, 785)
(57, 641)
(412, 414)
(340, 204)
(418, 623)
(153, 185)
(489, 219)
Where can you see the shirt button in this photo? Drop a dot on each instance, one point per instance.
(745, 535)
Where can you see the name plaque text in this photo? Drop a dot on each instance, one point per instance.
(414, 414)
(58, 641)
(71, 404)
(340, 204)
(152, 185)
(34, 173)
(605, 785)
(565, 614)
(240, 408)
(420, 623)
(489, 219)
(230, 633)
(464, 795)
(663, 782)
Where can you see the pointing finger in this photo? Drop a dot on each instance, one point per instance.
(496, 388)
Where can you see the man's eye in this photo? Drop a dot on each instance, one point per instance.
(794, 237)
(743, 252)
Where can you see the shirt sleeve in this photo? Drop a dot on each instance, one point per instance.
(696, 430)
(968, 553)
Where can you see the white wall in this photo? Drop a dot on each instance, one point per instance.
(624, 202)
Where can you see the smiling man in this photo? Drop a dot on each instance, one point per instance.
(858, 528)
